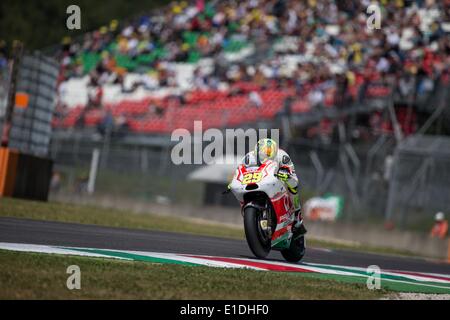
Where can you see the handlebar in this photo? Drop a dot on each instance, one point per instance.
(227, 191)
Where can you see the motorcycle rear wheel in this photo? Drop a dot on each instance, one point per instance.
(296, 251)
(254, 233)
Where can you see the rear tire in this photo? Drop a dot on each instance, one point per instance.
(259, 246)
(296, 251)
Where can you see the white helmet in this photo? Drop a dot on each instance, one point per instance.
(439, 216)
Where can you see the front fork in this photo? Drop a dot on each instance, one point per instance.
(266, 221)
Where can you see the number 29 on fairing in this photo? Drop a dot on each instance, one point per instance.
(252, 177)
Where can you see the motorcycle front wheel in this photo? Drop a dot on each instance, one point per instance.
(257, 238)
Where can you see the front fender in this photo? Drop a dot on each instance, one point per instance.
(252, 204)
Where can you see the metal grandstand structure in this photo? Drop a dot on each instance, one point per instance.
(419, 180)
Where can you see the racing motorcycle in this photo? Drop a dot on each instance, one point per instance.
(268, 211)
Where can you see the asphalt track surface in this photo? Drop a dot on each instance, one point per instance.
(89, 236)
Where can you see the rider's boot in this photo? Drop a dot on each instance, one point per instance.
(299, 229)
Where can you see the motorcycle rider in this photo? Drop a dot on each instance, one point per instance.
(267, 149)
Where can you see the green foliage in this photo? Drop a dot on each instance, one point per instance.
(43, 23)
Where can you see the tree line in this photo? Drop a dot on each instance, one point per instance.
(39, 24)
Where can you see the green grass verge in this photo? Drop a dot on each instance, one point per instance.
(134, 186)
(117, 218)
(111, 218)
(38, 276)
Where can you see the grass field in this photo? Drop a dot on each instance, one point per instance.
(36, 276)
(116, 218)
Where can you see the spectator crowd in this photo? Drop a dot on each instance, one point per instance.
(331, 36)
(321, 49)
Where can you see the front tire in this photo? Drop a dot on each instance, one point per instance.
(254, 233)
(296, 251)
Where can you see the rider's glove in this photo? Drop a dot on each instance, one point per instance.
(283, 176)
(286, 177)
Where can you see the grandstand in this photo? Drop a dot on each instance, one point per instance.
(212, 60)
